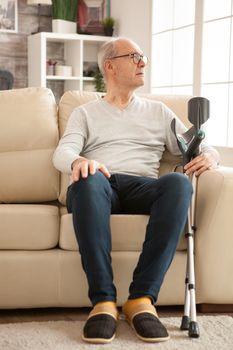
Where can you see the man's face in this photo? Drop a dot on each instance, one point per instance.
(126, 73)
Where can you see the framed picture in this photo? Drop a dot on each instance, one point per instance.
(90, 15)
(8, 16)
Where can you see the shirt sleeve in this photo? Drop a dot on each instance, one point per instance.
(72, 142)
(170, 139)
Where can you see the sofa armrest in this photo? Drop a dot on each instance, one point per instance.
(214, 237)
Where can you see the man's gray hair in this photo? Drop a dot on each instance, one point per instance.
(106, 51)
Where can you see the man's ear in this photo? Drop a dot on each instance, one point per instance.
(108, 66)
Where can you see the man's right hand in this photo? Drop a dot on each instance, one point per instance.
(83, 167)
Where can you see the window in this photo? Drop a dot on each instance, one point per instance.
(192, 53)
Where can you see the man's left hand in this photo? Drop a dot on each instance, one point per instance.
(200, 164)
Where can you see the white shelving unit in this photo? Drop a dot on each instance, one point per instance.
(78, 49)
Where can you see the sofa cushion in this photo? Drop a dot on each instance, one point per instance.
(28, 137)
(128, 232)
(72, 99)
(28, 226)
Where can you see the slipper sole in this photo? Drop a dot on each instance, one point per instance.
(98, 340)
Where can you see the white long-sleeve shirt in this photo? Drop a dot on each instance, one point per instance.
(129, 141)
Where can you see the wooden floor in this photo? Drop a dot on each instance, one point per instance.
(80, 314)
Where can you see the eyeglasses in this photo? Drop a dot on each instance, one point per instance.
(135, 56)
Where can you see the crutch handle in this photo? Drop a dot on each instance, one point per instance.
(188, 142)
(193, 148)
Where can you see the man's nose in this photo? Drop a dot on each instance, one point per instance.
(141, 63)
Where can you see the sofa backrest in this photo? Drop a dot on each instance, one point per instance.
(72, 99)
(28, 137)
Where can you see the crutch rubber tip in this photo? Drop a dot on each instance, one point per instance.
(194, 330)
(185, 323)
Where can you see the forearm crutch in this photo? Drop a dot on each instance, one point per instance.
(189, 145)
(189, 319)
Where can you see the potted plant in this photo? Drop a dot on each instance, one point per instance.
(99, 82)
(64, 14)
(108, 25)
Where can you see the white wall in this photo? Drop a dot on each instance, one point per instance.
(133, 20)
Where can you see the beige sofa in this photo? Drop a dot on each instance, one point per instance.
(39, 262)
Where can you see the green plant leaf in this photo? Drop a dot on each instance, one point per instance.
(99, 82)
(65, 9)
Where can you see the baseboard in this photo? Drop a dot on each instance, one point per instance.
(215, 308)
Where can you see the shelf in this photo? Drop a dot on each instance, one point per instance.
(75, 50)
(71, 37)
(61, 77)
(88, 79)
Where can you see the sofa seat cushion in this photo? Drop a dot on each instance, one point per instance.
(128, 233)
(28, 226)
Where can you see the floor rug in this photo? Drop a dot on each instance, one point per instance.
(216, 334)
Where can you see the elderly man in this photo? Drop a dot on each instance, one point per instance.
(112, 148)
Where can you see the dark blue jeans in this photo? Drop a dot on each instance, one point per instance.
(91, 202)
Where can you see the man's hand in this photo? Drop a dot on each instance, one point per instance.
(200, 164)
(83, 167)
